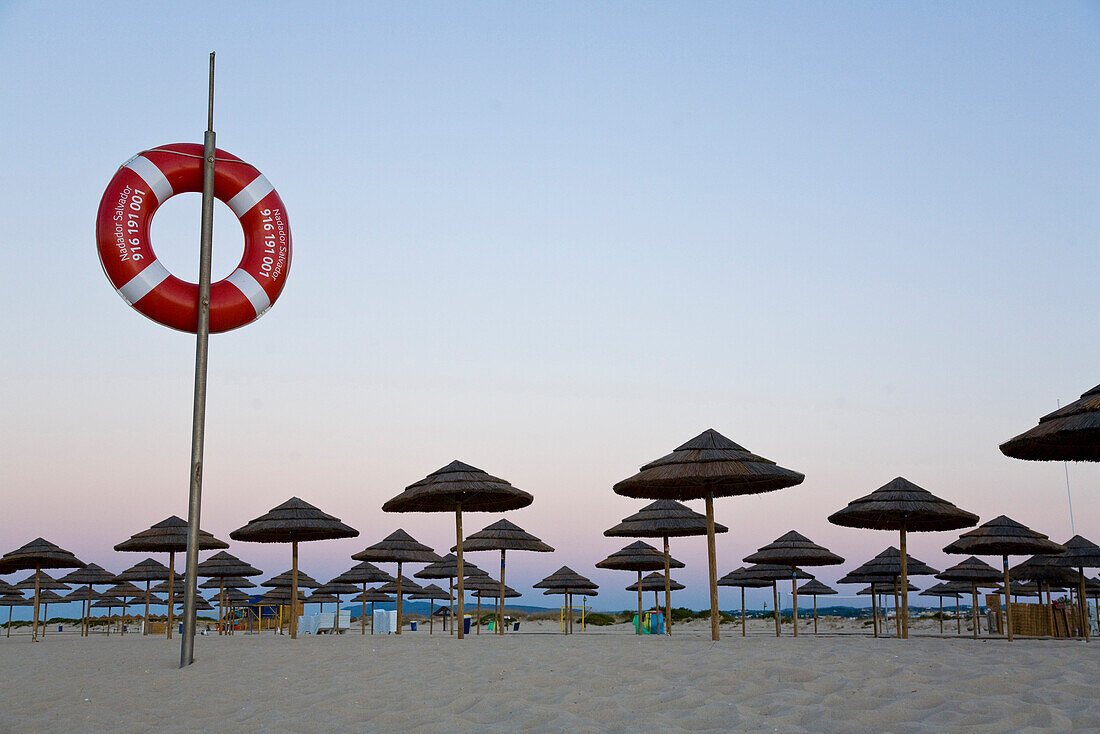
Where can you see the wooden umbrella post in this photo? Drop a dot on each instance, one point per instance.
(815, 614)
(1008, 600)
(221, 606)
(145, 626)
(897, 614)
(874, 609)
(478, 632)
(363, 613)
(668, 590)
(34, 628)
(294, 590)
(958, 616)
(794, 597)
(904, 622)
(638, 627)
(941, 615)
(742, 611)
(398, 630)
(500, 601)
(86, 631)
(460, 570)
(712, 562)
(451, 581)
(974, 611)
(1084, 603)
(171, 591)
(775, 599)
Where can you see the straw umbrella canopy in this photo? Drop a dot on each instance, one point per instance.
(107, 602)
(447, 568)
(815, 589)
(950, 591)
(322, 598)
(1080, 554)
(286, 580)
(47, 597)
(708, 466)
(168, 536)
(234, 598)
(431, 592)
(638, 556)
(568, 582)
(1071, 433)
(224, 566)
(774, 573)
(794, 549)
(295, 521)
(38, 554)
(89, 576)
(10, 600)
(1004, 537)
(229, 582)
(903, 506)
(364, 573)
(664, 519)
(280, 596)
(454, 488)
(738, 578)
(976, 573)
(370, 596)
(148, 571)
(503, 535)
(494, 594)
(398, 547)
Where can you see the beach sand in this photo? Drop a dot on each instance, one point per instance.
(604, 679)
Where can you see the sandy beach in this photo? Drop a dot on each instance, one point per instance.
(602, 680)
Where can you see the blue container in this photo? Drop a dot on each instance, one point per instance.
(181, 628)
(515, 626)
(58, 628)
(466, 626)
(412, 626)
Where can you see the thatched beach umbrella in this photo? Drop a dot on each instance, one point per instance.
(1004, 537)
(370, 596)
(454, 488)
(773, 573)
(708, 466)
(903, 506)
(657, 582)
(888, 565)
(398, 547)
(977, 574)
(124, 590)
(431, 592)
(321, 598)
(148, 571)
(364, 573)
(567, 603)
(168, 536)
(664, 519)
(815, 589)
(495, 594)
(37, 554)
(1071, 433)
(231, 596)
(295, 521)
(504, 536)
(285, 580)
(90, 576)
(481, 582)
(638, 556)
(794, 549)
(222, 566)
(107, 602)
(566, 581)
(942, 590)
(45, 583)
(80, 595)
(739, 579)
(447, 568)
(10, 600)
(46, 597)
(280, 597)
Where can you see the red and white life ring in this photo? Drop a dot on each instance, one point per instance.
(132, 197)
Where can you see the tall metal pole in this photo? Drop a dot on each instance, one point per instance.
(198, 424)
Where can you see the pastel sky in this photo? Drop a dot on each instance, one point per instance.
(555, 242)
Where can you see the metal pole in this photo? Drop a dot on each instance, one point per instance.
(198, 423)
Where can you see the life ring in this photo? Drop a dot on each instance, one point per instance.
(132, 197)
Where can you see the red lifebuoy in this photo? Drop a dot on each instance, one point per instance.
(132, 197)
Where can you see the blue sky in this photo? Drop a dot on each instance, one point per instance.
(556, 242)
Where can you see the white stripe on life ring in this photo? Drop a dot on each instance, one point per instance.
(251, 289)
(145, 281)
(250, 195)
(152, 176)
